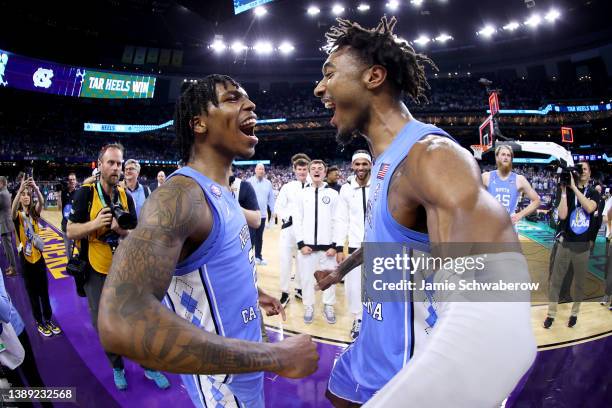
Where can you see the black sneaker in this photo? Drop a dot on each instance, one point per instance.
(572, 321)
(298, 294)
(548, 322)
(284, 299)
(55, 329)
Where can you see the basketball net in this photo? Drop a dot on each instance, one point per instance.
(478, 150)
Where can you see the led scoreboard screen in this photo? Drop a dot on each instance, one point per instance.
(30, 74)
(241, 6)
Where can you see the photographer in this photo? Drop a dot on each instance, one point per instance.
(102, 214)
(64, 203)
(576, 207)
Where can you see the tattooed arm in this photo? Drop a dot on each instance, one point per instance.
(132, 322)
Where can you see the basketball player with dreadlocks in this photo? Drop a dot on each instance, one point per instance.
(425, 191)
(192, 250)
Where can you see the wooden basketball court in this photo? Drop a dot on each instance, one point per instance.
(594, 320)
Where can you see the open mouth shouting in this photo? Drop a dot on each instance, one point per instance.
(247, 128)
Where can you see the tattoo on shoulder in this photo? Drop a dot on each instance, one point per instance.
(173, 209)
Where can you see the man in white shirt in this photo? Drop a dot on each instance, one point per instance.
(313, 219)
(350, 218)
(283, 208)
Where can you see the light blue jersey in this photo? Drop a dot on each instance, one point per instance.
(391, 332)
(215, 288)
(504, 191)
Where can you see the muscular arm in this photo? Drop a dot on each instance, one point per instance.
(469, 341)
(449, 187)
(132, 321)
(525, 188)
(76, 230)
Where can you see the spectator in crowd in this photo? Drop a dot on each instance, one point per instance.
(138, 191)
(7, 227)
(161, 177)
(265, 198)
(333, 174)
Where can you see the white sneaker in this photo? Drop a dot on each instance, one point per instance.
(604, 300)
(330, 314)
(308, 314)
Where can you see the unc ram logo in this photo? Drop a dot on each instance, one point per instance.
(3, 62)
(42, 78)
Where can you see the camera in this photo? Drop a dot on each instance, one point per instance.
(125, 219)
(566, 172)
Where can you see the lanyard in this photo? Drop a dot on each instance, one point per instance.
(101, 195)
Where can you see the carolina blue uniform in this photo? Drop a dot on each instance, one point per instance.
(215, 288)
(504, 191)
(391, 332)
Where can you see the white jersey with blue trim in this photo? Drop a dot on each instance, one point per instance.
(392, 332)
(215, 289)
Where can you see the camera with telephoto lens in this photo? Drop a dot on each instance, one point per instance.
(566, 172)
(125, 219)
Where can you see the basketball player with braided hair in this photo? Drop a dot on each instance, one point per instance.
(425, 193)
(192, 250)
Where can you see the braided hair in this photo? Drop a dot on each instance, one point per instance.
(405, 67)
(194, 99)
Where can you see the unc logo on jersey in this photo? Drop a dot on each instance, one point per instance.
(325, 200)
(249, 315)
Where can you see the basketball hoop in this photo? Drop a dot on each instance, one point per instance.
(478, 151)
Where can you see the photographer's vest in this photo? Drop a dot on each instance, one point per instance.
(35, 256)
(100, 255)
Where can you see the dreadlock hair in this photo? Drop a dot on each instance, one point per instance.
(406, 67)
(194, 99)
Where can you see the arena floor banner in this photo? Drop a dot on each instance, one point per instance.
(31, 74)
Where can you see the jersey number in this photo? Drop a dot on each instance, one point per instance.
(504, 199)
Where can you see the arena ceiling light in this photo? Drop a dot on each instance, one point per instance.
(392, 5)
(416, 3)
(313, 10)
(487, 31)
(422, 40)
(552, 15)
(444, 38)
(337, 9)
(238, 47)
(511, 26)
(363, 7)
(260, 11)
(263, 47)
(218, 46)
(533, 21)
(286, 47)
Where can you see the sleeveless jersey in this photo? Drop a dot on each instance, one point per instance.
(215, 288)
(391, 332)
(504, 191)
